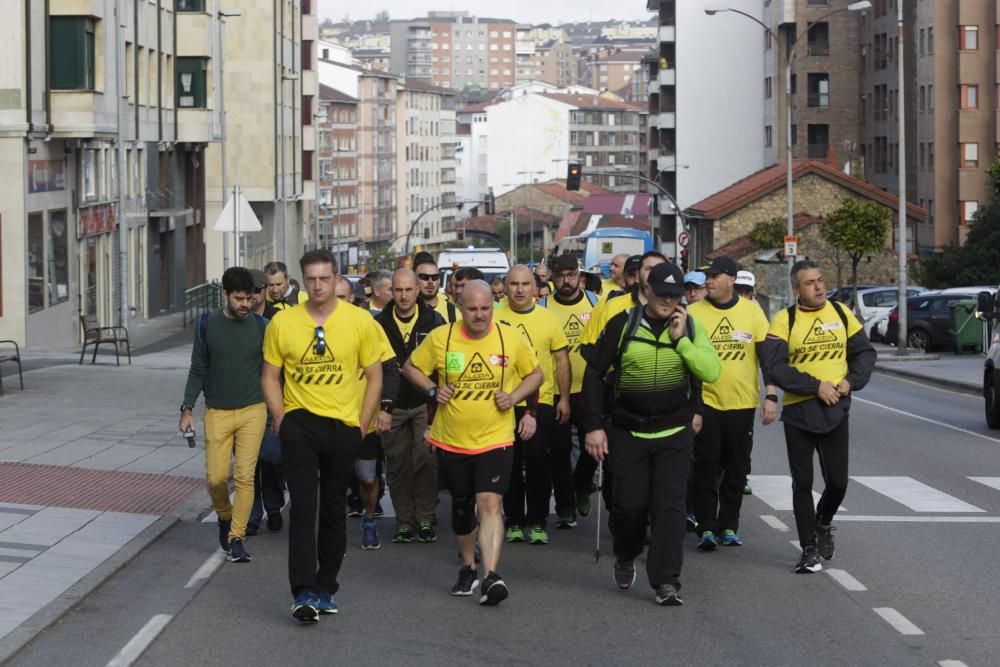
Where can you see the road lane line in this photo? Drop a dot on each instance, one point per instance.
(992, 482)
(141, 641)
(871, 518)
(774, 522)
(918, 496)
(900, 623)
(210, 565)
(844, 578)
(952, 663)
(926, 419)
(776, 491)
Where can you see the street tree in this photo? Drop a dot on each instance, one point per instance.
(858, 228)
(382, 16)
(768, 234)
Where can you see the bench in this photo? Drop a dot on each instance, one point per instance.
(96, 335)
(15, 356)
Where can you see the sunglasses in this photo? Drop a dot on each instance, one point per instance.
(320, 347)
(429, 277)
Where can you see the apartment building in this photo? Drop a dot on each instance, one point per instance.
(425, 163)
(554, 63)
(951, 123)
(338, 198)
(611, 68)
(59, 166)
(271, 89)
(455, 50)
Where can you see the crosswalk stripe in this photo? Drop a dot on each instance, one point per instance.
(776, 491)
(992, 482)
(918, 496)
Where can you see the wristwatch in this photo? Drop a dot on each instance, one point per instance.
(432, 393)
(771, 397)
(185, 407)
(386, 406)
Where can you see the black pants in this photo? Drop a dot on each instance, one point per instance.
(832, 449)
(724, 442)
(650, 481)
(563, 482)
(531, 472)
(268, 482)
(318, 460)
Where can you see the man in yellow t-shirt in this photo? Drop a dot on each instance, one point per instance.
(738, 329)
(545, 336)
(322, 348)
(483, 370)
(818, 353)
(617, 280)
(573, 307)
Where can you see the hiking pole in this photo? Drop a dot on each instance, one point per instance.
(600, 491)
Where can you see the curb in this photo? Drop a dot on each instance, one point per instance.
(895, 369)
(26, 632)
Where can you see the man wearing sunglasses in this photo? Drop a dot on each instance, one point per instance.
(429, 285)
(482, 370)
(323, 348)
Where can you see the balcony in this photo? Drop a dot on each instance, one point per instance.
(667, 33)
(666, 162)
(194, 125)
(310, 84)
(308, 138)
(310, 30)
(194, 34)
(667, 77)
(76, 113)
(666, 120)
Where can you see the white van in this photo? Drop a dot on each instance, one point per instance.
(492, 262)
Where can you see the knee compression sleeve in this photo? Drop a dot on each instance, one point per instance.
(463, 515)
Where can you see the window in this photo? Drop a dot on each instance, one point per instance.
(58, 259)
(88, 175)
(795, 134)
(968, 96)
(969, 209)
(36, 262)
(190, 5)
(969, 156)
(768, 136)
(968, 38)
(923, 98)
(930, 41)
(819, 39)
(819, 141)
(190, 83)
(767, 88)
(923, 155)
(819, 90)
(930, 155)
(923, 41)
(71, 53)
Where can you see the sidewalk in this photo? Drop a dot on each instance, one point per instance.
(961, 372)
(92, 469)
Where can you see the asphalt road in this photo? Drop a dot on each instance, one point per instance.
(911, 583)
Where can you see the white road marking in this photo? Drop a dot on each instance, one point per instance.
(141, 641)
(926, 419)
(900, 623)
(916, 495)
(210, 565)
(845, 579)
(774, 522)
(919, 519)
(952, 663)
(776, 491)
(795, 543)
(992, 482)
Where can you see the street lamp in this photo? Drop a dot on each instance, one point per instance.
(222, 140)
(531, 243)
(789, 57)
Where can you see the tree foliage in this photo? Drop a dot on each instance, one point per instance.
(977, 262)
(382, 16)
(857, 228)
(768, 234)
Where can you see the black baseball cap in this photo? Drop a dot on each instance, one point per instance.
(666, 279)
(259, 279)
(722, 265)
(564, 263)
(633, 263)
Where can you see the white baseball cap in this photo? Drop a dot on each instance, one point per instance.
(745, 279)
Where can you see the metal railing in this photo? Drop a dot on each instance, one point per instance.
(201, 299)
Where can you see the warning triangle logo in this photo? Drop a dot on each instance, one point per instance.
(574, 326)
(524, 330)
(817, 334)
(723, 331)
(477, 370)
(310, 356)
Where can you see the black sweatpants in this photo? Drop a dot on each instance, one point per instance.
(531, 472)
(650, 482)
(268, 482)
(832, 449)
(318, 457)
(723, 442)
(563, 483)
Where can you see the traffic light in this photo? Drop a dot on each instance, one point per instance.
(684, 260)
(460, 233)
(573, 176)
(491, 204)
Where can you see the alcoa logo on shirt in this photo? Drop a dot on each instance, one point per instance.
(499, 360)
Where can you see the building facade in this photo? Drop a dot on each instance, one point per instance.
(62, 252)
(337, 157)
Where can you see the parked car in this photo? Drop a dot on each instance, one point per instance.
(845, 295)
(877, 302)
(989, 311)
(928, 318)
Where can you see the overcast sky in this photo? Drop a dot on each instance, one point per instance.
(523, 11)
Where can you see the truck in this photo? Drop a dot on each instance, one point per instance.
(596, 248)
(492, 262)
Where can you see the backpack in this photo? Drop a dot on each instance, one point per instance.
(836, 306)
(450, 307)
(203, 330)
(591, 297)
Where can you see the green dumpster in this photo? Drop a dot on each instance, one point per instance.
(966, 328)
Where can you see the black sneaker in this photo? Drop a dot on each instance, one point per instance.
(809, 561)
(624, 574)
(275, 522)
(224, 527)
(237, 552)
(425, 532)
(824, 540)
(494, 590)
(467, 581)
(306, 607)
(566, 522)
(252, 529)
(667, 596)
(355, 508)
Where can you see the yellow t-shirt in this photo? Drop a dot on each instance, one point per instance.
(734, 331)
(471, 422)
(387, 354)
(604, 312)
(324, 384)
(442, 308)
(608, 285)
(573, 319)
(405, 328)
(817, 344)
(303, 297)
(545, 335)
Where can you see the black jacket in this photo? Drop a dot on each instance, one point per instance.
(427, 320)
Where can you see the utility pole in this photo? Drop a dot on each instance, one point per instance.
(120, 108)
(222, 143)
(902, 339)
